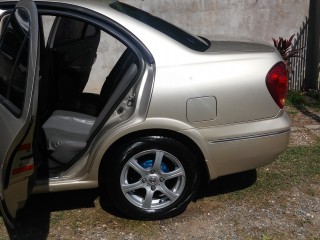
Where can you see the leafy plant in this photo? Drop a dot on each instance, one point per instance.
(308, 99)
(296, 98)
(284, 46)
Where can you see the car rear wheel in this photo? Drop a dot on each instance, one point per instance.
(151, 178)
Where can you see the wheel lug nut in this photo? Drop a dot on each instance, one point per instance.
(161, 179)
(153, 188)
(144, 180)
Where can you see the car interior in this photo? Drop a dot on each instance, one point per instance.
(68, 115)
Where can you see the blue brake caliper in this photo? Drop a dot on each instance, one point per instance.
(149, 163)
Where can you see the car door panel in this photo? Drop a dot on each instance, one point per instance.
(18, 107)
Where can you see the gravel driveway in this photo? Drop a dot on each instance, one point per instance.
(251, 205)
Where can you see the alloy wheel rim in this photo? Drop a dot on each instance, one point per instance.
(152, 179)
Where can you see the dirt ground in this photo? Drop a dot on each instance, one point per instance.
(305, 126)
(225, 209)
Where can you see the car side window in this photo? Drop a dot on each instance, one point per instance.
(68, 31)
(72, 30)
(91, 31)
(14, 54)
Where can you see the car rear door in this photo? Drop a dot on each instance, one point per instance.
(18, 101)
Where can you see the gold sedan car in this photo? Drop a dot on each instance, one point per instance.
(102, 94)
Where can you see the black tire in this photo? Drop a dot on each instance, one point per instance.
(171, 185)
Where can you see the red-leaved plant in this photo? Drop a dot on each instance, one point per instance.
(284, 46)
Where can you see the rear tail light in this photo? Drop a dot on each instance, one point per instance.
(277, 83)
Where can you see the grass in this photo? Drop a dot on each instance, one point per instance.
(309, 99)
(295, 98)
(297, 166)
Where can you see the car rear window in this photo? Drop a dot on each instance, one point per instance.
(189, 40)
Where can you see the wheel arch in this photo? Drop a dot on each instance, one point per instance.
(203, 168)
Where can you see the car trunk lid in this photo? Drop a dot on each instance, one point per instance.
(232, 46)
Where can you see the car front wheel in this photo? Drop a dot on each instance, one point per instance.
(151, 178)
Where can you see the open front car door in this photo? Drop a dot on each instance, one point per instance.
(18, 100)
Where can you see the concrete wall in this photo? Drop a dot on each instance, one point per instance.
(253, 20)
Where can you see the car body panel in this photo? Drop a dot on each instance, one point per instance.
(226, 147)
(229, 78)
(16, 159)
